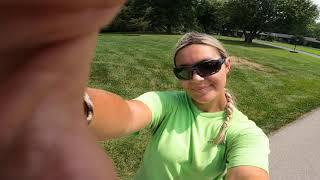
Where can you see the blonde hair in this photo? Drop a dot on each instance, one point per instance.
(199, 38)
(229, 112)
(205, 39)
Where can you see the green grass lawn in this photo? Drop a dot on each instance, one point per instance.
(301, 48)
(278, 88)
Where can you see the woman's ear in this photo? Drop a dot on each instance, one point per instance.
(228, 63)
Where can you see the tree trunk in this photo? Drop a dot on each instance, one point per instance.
(248, 37)
(169, 29)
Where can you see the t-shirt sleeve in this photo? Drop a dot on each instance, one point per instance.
(158, 103)
(248, 147)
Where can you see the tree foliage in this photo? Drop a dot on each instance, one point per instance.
(248, 17)
(251, 16)
(294, 16)
(314, 30)
(169, 15)
(209, 15)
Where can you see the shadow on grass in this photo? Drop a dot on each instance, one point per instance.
(244, 44)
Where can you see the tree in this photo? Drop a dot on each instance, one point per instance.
(250, 16)
(295, 16)
(169, 14)
(156, 15)
(209, 14)
(133, 17)
(314, 30)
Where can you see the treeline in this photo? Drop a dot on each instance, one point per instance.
(249, 17)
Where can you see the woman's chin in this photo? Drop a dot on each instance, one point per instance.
(202, 99)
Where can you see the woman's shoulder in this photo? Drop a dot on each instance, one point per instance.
(247, 144)
(164, 99)
(167, 95)
(171, 93)
(240, 119)
(241, 124)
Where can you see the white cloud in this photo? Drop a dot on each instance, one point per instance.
(317, 2)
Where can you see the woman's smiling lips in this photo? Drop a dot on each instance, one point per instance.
(200, 89)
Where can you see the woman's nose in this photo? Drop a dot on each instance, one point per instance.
(196, 76)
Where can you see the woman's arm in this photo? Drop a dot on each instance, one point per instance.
(247, 173)
(248, 151)
(114, 116)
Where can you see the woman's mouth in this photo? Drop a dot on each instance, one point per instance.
(200, 89)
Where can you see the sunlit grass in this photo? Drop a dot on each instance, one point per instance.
(284, 88)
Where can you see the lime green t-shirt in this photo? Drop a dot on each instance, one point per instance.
(179, 148)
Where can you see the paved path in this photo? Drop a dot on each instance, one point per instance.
(295, 150)
(286, 48)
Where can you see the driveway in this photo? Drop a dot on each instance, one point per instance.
(295, 149)
(285, 48)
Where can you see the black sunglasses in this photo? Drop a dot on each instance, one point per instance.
(203, 68)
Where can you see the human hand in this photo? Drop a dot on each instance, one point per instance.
(45, 50)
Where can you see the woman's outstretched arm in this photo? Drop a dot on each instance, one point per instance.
(114, 116)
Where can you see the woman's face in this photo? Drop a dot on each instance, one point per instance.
(207, 89)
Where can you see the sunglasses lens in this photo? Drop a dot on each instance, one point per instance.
(204, 69)
(183, 73)
(208, 68)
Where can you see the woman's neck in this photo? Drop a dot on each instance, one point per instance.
(216, 105)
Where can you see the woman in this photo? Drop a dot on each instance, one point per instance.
(198, 133)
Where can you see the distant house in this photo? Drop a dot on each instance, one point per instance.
(275, 36)
(307, 41)
(310, 39)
